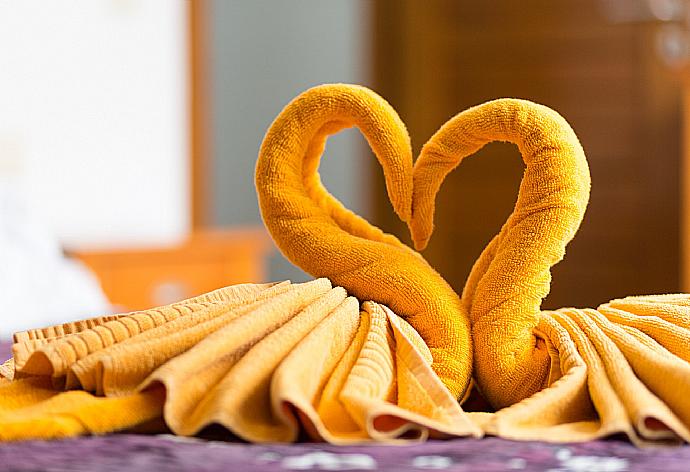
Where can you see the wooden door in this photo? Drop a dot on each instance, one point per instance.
(436, 58)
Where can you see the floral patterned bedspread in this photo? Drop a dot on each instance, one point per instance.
(163, 453)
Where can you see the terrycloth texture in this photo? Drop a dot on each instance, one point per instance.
(262, 361)
(32, 406)
(619, 369)
(318, 234)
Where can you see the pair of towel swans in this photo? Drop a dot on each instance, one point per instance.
(269, 361)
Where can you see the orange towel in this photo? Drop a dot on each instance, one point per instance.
(281, 359)
(319, 235)
(570, 374)
(267, 361)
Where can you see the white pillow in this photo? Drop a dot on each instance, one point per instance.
(39, 286)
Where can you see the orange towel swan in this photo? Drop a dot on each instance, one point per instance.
(318, 234)
(621, 368)
(268, 360)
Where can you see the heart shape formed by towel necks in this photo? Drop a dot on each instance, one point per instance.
(503, 295)
(317, 233)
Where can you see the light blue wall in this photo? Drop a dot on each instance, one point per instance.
(264, 53)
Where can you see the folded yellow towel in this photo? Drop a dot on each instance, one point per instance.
(266, 362)
(570, 374)
(269, 361)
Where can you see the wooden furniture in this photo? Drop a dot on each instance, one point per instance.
(198, 101)
(135, 279)
(685, 179)
(436, 58)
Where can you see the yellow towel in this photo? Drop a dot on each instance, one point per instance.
(33, 406)
(295, 357)
(570, 374)
(319, 235)
(270, 361)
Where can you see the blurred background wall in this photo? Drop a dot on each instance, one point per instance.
(261, 54)
(93, 129)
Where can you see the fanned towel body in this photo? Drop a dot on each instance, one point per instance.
(569, 374)
(279, 361)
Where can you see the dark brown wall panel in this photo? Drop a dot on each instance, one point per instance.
(436, 58)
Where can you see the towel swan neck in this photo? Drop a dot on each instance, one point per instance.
(509, 280)
(317, 233)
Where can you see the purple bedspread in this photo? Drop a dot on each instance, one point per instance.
(167, 453)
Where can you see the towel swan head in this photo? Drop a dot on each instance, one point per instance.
(317, 233)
